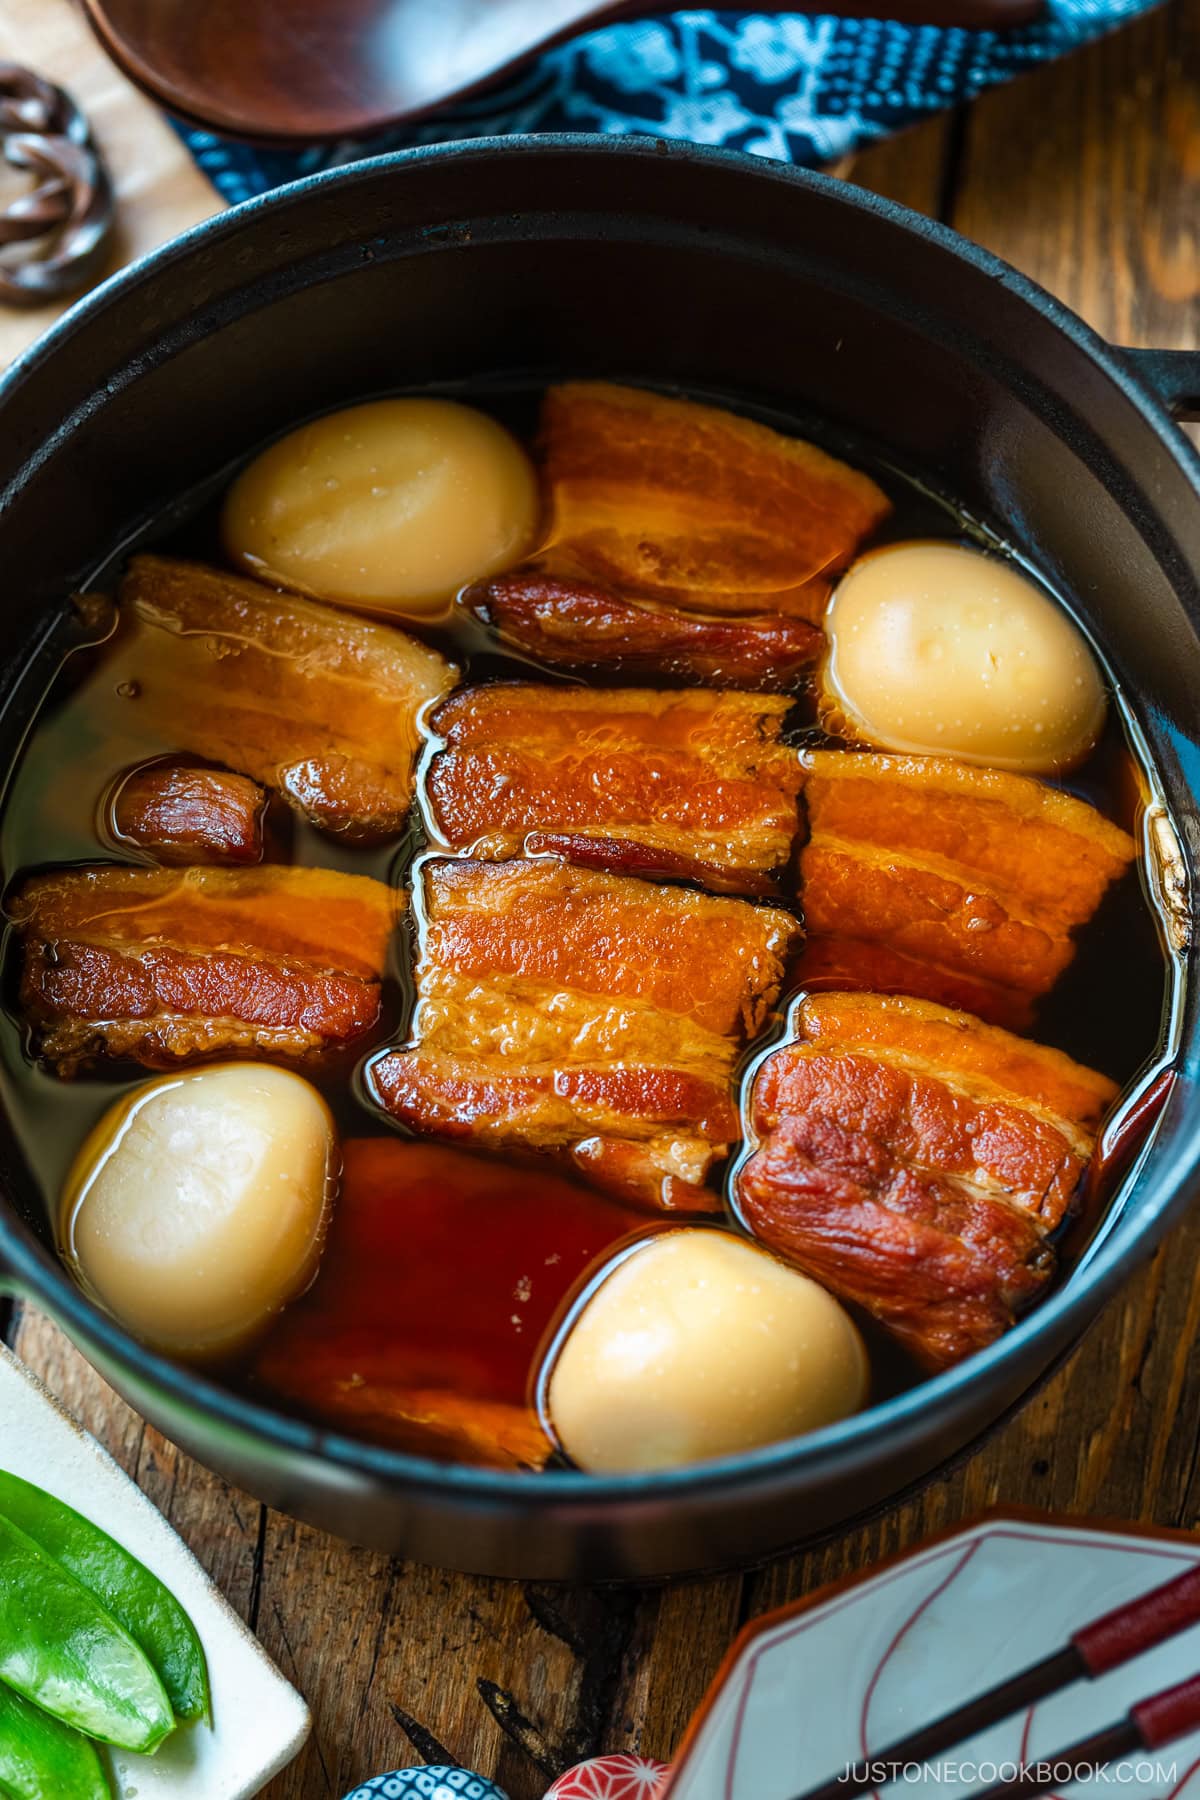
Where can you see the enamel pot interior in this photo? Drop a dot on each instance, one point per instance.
(533, 259)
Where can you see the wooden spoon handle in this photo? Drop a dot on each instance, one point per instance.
(304, 71)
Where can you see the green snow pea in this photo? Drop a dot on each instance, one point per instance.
(43, 1760)
(125, 1589)
(60, 1649)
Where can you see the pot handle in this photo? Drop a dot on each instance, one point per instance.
(1174, 375)
(10, 1295)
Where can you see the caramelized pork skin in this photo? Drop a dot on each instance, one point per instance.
(321, 704)
(594, 1016)
(438, 1284)
(692, 783)
(915, 1161)
(182, 813)
(694, 504)
(571, 623)
(936, 878)
(163, 964)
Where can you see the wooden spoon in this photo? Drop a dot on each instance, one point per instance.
(302, 71)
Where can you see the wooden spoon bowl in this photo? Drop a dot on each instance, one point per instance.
(306, 71)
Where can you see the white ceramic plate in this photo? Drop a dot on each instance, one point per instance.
(260, 1723)
(815, 1687)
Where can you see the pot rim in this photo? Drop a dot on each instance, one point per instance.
(1132, 379)
(1061, 1317)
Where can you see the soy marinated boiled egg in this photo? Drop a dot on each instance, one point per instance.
(698, 1344)
(392, 506)
(935, 648)
(197, 1207)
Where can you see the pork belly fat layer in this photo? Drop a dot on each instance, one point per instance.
(436, 1290)
(1034, 1074)
(575, 624)
(161, 964)
(1057, 853)
(712, 962)
(591, 1015)
(969, 881)
(689, 502)
(694, 784)
(915, 1161)
(831, 961)
(320, 704)
(182, 814)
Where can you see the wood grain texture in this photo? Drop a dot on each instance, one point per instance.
(1087, 175)
(159, 189)
(914, 167)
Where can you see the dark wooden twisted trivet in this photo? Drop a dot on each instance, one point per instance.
(65, 222)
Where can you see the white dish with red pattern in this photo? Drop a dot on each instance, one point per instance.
(820, 1686)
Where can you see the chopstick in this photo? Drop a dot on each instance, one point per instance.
(1150, 1725)
(1114, 1638)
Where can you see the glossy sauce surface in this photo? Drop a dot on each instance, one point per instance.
(420, 1271)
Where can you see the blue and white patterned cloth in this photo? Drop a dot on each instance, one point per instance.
(794, 86)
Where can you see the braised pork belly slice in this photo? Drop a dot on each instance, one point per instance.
(439, 1282)
(927, 876)
(693, 784)
(589, 1015)
(163, 964)
(684, 502)
(180, 813)
(576, 624)
(320, 704)
(864, 965)
(915, 1160)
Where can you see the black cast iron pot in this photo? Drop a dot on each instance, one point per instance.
(649, 262)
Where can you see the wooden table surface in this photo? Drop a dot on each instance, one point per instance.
(1087, 176)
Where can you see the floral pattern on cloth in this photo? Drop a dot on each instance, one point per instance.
(796, 87)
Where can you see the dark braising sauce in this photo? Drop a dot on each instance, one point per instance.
(439, 1281)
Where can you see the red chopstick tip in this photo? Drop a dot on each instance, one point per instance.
(1140, 1624)
(1169, 1715)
